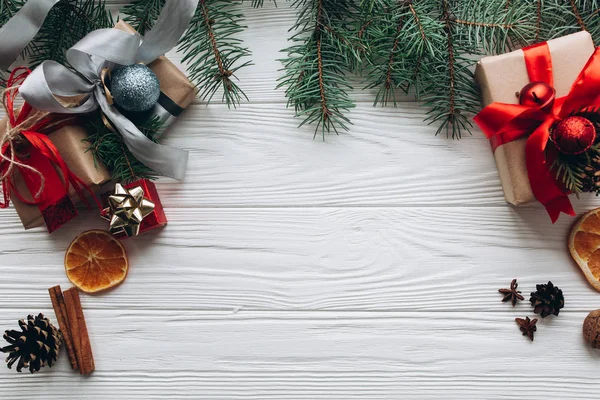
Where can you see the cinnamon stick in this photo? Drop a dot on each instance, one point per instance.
(58, 303)
(79, 333)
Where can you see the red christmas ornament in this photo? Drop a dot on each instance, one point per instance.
(574, 135)
(537, 94)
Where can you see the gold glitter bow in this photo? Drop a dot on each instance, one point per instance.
(126, 210)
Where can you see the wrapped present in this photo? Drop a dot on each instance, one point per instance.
(176, 90)
(133, 209)
(525, 94)
(45, 175)
(114, 52)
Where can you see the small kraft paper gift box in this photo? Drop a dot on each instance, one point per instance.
(502, 77)
(176, 90)
(69, 141)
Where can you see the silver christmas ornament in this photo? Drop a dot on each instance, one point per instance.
(135, 88)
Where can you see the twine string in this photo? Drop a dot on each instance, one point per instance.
(12, 134)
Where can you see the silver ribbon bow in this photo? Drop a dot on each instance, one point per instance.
(111, 48)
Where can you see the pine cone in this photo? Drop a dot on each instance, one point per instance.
(591, 176)
(36, 345)
(547, 299)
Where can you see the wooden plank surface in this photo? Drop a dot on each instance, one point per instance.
(362, 267)
(326, 355)
(396, 259)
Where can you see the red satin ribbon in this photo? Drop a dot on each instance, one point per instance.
(503, 123)
(539, 63)
(42, 155)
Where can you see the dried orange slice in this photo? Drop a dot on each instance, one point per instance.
(96, 261)
(584, 245)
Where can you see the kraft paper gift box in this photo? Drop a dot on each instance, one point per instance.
(177, 92)
(502, 77)
(69, 141)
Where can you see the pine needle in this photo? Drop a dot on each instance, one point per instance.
(323, 51)
(109, 148)
(213, 52)
(142, 14)
(67, 23)
(8, 8)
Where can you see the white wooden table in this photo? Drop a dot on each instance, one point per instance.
(364, 267)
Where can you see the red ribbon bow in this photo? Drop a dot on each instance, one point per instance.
(41, 166)
(503, 123)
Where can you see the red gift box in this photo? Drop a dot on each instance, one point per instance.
(157, 218)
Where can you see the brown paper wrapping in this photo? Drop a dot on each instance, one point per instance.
(173, 82)
(69, 142)
(502, 77)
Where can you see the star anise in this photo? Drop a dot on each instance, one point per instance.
(512, 294)
(527, 326)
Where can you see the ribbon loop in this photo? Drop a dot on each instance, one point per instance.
(51, 81)
(168, 29)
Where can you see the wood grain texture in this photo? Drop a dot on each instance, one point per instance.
(256, 155)
(397, 259)
(327, 355)
(363, 267)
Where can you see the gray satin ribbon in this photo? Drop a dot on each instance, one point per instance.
(111, 48)
(16, 34)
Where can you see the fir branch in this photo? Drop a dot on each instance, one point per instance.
(570, 171)
(65, 25)
(387, 74)
(8, 8)
(213, 52)
(142, 14)
(260, 3)
(577, 172)
(109, 148)
(577, 15)
(538, 19)
(554, 18)
(586, 13)
(448, 83)
(321, 54)
(489, 28)
(398, 39)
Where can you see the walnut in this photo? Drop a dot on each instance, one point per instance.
(591, 329)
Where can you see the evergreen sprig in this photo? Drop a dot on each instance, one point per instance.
(260, 3)
(402, 46)
(142, 14)
(324, 49)
(574, 170)
(399, 38)
(109, 148)
(490, 27)
(211, 47)
(577, 171)
(213, 51)
(8, 8)
(67, 23)
(426, 45)
(447, 84)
